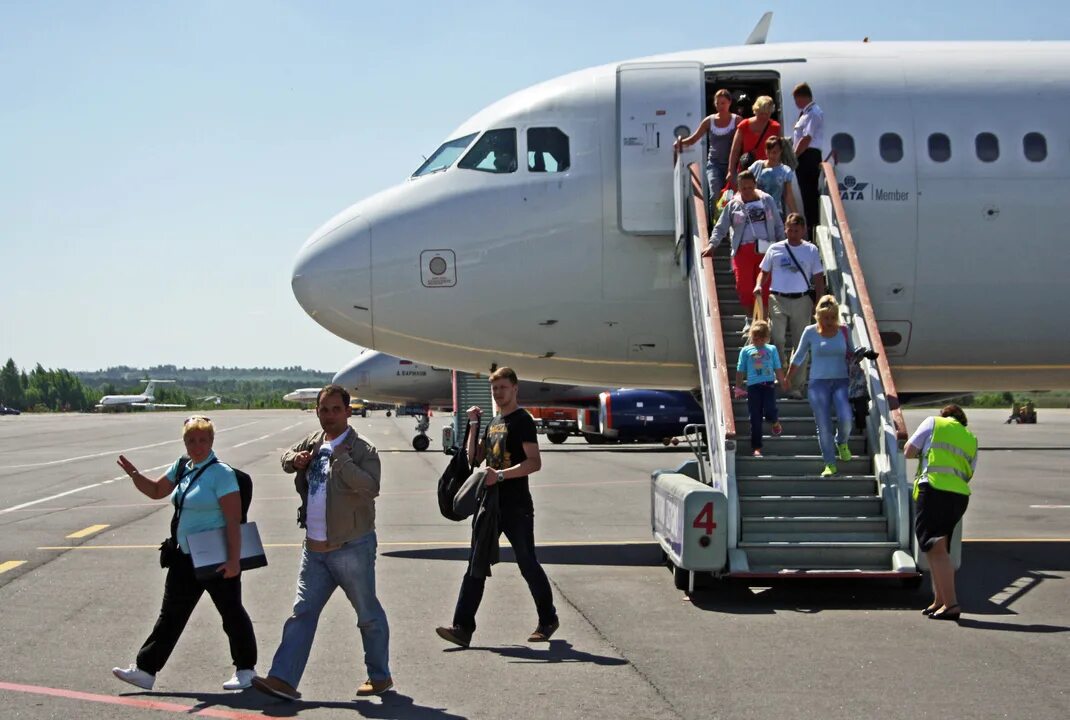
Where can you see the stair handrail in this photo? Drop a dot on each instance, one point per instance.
(701, 236)
(866, 305)
(886, 416)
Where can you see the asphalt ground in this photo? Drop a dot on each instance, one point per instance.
(630, 645)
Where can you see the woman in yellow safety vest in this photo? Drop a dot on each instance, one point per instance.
(947, 454)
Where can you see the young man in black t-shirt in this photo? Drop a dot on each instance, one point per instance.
(511, 448)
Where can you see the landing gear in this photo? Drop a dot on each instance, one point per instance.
(557, 437)
(421, 442)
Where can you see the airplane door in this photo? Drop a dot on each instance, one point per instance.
(655, 102)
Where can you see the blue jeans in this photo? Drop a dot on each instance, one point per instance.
(716, 173)
(761, 403)
(351, 567)
(825, 397)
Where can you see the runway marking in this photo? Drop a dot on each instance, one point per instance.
(10, 565)
(118, 452)
(399, 543)
(1017, 540)
(141, 703)
(91, 530)
(1016, 588)
(123, 477)
(1051, 507)
(264, 437)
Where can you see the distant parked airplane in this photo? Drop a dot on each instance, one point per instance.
(145, 400)
(304, 396)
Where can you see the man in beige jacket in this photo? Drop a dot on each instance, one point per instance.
(338, 480)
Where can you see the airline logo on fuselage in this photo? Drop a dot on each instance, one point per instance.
(852, 189)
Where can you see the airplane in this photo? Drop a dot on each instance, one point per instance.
(384, 378)
(562, 266)
(145, 400)
(303, 396)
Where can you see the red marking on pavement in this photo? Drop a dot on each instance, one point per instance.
(141, 703)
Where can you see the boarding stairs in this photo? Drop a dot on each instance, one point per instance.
(783, 519)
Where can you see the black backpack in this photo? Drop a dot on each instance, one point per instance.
(453, 478)
(245, 485)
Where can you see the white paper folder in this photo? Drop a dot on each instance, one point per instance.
(208, 550)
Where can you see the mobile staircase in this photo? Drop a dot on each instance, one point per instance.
(728, 514)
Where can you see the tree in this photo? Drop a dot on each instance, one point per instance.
(10, 387)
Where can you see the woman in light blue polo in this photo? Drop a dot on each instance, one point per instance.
(206, 490)
(828, 344)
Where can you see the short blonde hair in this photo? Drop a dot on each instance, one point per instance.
(764, 104)
(759, 329)
(827, 307)
(198, 422)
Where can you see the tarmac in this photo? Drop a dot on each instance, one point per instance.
(80, 588)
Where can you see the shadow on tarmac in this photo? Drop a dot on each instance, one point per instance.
(993, 576)
(559, 651)
(391, 704)
(632, 555)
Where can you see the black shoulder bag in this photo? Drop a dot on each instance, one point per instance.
(170, 552)
(810, 291)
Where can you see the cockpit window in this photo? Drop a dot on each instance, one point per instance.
(547, 150)
(495, 152)
(445, 155)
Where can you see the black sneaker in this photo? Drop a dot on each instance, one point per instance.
(543, 632)
(455, 635)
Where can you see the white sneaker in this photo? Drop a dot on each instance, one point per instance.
(242, 679)
(135, 676)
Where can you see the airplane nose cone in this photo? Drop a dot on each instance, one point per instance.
(332, 279)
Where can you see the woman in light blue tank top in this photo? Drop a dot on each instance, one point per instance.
(828, 343)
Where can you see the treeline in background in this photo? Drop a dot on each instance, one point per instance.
(60, 390)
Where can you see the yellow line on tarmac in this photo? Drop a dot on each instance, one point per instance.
(92, 529)
(10, 565)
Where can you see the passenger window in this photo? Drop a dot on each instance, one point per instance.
(987, 146)
(495, 152)
(939, 147)
(547, 150)
(891, 147)
(844, 147)
(1035, 147)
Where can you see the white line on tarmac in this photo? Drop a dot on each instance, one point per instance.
(264, 437)
(116, 452)
(121, 477)
(1051, 507)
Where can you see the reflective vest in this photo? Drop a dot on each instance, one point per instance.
(950, 457)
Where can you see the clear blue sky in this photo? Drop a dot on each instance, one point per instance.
(161, 163)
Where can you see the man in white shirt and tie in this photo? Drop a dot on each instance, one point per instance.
(808, 137)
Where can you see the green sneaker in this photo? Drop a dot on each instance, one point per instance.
(843, 452)
(829, 471)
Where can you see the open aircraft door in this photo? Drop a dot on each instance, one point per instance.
(656, 102)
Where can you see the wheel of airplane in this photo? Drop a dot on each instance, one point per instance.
(557, 438)
(421, 443)
(388, 413)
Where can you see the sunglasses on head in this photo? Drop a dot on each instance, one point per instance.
(191, 418)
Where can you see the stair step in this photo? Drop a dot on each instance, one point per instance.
(879, 572)
(823, 554)
(809, 505)
(836, 486)
(798, 444)
(791, 425)
(814, 529)
(747, 466)
(785, 409)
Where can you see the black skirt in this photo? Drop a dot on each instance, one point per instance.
(936, 515)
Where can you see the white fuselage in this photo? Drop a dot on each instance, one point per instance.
(110, 400)
(569, 276)
(382, 378)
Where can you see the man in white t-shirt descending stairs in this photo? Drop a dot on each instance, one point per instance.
(792, 520)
